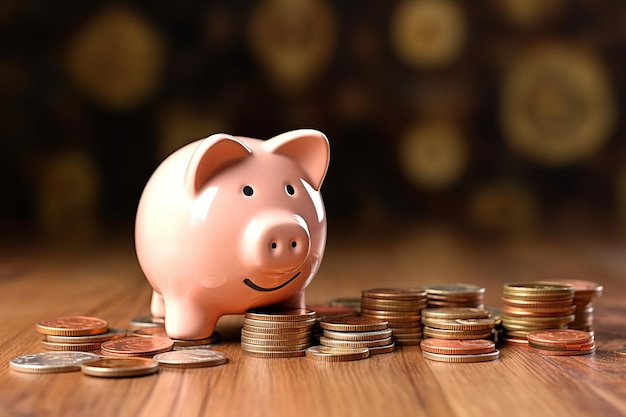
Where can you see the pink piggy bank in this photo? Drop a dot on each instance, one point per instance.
(229, 223)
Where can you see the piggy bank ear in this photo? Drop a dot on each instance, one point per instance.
(308, 148)
(212, 155)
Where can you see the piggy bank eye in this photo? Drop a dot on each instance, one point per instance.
(247, 191)
(289, 189)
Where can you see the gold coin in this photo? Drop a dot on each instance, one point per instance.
(354, 343)
(72, 326)
(481, 357)
(330, 354)
(295, 314)
(120, 367)
(275, 336)
(537, 321)
(112, 333)
(270, 342)
(279, 324)
(459, 324)
(276, 331)
(76, 347)
(394, 294)
(453, 289)
(358, 336)
(538, 288)
(456, 334)
(266, 348)
(353, 324)
(455, 313)
(273, 354)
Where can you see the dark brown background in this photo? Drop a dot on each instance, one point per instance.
(364, 100)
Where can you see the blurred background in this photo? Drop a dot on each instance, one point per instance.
(499, 117)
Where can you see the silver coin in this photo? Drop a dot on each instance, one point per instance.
(148, 322)
(50, 362)
(191, 358)
(113, 333)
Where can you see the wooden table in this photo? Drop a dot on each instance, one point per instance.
(105, 281)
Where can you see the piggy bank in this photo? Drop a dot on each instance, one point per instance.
(230, 223)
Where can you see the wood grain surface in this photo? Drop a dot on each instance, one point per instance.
(106, 282)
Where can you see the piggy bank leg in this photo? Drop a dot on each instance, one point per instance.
(184, 320)
(157, 306)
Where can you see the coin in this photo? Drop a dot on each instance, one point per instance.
(138, 346)
(378, 350)
(355, 336)
(112, 333)
(455, 313)
(148, 322)
(330, 354)
(353, 324)
(538, 288)
(295, 314)
(276, 331)
(279, 324)
(562, 352)
(193, 358)
(160, 332)
(456, 334)
(538, 312)
(621, 353)
(51, 362)
(457, 347)
(559, 337)
(406, 316)
(584, 289)
(275, 336)
(272, 342)
(450, 289)
(72, 326)
(78, 347)
(407, 294)
(120, 367)
(354, 343)
(535, 304)
(459, 324)
(273, 354)
(275, 348)
(482, 357)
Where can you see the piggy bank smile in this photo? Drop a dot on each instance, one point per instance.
(256, 287)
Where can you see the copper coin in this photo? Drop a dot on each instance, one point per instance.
(571, 347)
(294, 314)
(562, 352)
(395, 293)
(160, 332)
(72, 326)
(621, 353)
(354, 324)
(454, 304)
(326, 310)
(120, 367)
(584, 288)
(138, 346)
(76, 347)
(458, 347)
(559, 337)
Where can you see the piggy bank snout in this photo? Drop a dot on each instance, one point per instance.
(276, 245)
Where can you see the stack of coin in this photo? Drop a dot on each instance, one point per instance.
(584, 293)
(567, 342)
(136, 346)
(277, 333)
(457, 323)
(459, 351)
(179, 344)
(400, 308)
(541, 305)
(325, 311)
(357, 333)
(76, 333)
(454, 295)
